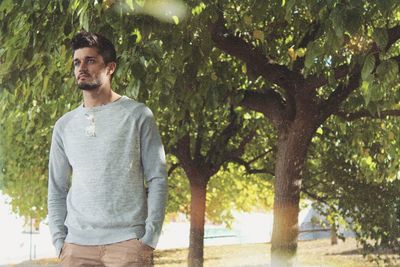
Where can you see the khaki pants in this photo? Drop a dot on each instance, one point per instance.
(130, 253)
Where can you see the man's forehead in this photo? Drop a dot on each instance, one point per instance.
(85, 52)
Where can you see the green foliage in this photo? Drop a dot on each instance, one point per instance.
(193, 86)
(24, 132)
(232, 189)
(354, 169)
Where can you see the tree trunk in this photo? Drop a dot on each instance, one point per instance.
(197, 220)
(334, 240)
(292, 149)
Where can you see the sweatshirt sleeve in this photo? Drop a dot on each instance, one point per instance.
(154, 166)
(59, 173)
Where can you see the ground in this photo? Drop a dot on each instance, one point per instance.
(310, 253)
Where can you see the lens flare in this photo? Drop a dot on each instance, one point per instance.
(171, 11)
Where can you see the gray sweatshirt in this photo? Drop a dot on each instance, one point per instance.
(101, 161)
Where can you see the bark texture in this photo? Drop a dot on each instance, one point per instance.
(292, 151)
(197, 220)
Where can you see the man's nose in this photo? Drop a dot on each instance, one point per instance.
(82, 67)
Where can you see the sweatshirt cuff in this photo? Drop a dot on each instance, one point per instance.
(58, 245)
(150, 240)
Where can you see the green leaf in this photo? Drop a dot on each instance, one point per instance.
(384, 6)
(337, 22)
(84, 20)
(45, 82)
(135, 88)
(288, 10)
(130, 4)
(313, 51)
(353, 20)
(368, 67)
(6, 5)
(387, 71)
(381, 38)
(366, 92)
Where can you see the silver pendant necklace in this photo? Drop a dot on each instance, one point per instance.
(90, 130)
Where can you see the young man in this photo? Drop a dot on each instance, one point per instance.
(102, 155)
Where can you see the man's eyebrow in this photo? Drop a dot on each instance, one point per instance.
(87, 57)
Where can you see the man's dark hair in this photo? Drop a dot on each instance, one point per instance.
(89, 39)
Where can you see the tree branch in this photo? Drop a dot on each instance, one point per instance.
(249, 169)
(240, 150)
(172, 168)
(260, 156)
(218, 149)
(313, 196)
(192, 167)
(366, 114)
(269, 102)
(316, 81)
(331, 105)
(340, 72)
(229, 131)
(199, 141)
(254, 58)
(308, 37)
(394, 35)
(182, 151)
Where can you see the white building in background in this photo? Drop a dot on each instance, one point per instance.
(313, 225)
(17, 244)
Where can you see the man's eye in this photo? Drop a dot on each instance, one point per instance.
(76, 64)
(91, 61)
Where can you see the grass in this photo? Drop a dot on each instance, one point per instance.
(310, 253)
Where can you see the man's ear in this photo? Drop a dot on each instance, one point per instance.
(111, 67)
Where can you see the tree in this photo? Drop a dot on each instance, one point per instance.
(313, 57)
(204, 130)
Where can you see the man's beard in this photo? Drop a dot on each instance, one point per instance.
(89, 86)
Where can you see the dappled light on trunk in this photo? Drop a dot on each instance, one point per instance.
(197, 220)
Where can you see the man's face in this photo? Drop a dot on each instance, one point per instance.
(89, 68)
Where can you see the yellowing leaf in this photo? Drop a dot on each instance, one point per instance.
(175, 19)
(138, 36)
(391, 136)
(244, 68)
(258, 35)
(292, 54)
(248, 20)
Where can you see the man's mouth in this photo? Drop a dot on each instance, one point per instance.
(83, 76)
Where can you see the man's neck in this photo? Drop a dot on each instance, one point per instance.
(98, 97)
